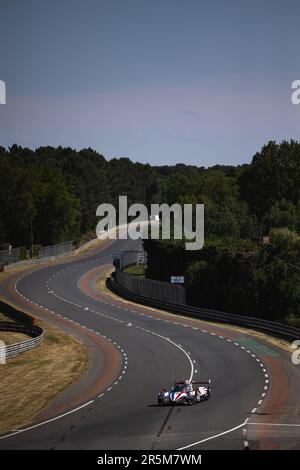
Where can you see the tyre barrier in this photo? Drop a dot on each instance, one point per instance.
(266, 326)
(16, 315)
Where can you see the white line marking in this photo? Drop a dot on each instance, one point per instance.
(274, 424)
(48, 421)
(181, 349)
(213, 437)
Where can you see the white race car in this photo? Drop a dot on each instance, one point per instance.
(184, 393)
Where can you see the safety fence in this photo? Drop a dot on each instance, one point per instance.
(56, 250)
(10, 256)
(46, 254)
(150, 288)
(120, 286)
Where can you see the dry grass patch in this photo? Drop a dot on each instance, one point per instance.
(11, 337)
(30, 381)
(4, 318)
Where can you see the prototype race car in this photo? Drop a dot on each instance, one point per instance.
(184, 393)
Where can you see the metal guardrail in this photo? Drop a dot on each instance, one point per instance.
(12, 350)
(23, 323)
(274, 328)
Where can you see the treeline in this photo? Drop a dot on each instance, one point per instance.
(250, 263)
(52, 193)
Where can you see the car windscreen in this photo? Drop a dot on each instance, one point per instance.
(179, 387)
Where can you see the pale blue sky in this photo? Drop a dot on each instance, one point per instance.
(201, 82)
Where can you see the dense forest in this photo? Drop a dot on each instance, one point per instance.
(56, 192)
(51, 194)
(250, 262)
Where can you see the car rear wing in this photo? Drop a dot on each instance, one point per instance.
(202, 382)
(196, 382)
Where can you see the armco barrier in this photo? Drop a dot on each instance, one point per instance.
(22, 323)
(12, 350)
(273, 328)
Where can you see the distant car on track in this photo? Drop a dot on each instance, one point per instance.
(185, 392)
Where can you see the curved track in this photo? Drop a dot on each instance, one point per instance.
(154, 350)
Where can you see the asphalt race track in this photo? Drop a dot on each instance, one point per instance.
(154, 350)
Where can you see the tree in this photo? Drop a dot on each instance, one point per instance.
(282, 214)
(278, 275)
(273, 176)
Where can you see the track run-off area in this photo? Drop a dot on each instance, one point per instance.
(134, 352)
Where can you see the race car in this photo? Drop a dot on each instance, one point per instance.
(184, 393)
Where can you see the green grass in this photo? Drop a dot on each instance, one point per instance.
(136, 270)
(293, 321)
